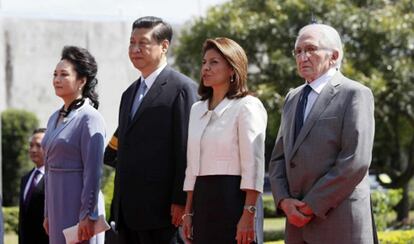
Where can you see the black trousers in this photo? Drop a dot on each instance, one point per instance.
(167, 235)
(156, 236)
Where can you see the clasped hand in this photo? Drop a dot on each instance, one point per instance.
(176, 212)
(298, 213)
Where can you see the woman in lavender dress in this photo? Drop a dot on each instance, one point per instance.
(74, 146)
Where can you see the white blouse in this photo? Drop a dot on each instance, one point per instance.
(228, 140)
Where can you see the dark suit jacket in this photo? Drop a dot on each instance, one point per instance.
(151, 156)
(31, 217)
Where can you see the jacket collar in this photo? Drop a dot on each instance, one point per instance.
(219, 109)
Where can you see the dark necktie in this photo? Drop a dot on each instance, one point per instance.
(138, 98)
(32, 186)
(300, 110)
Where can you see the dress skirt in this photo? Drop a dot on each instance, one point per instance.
(218, 205)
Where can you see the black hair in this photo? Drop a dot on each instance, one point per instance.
(162, 30)
(39, 130)
(85, 66)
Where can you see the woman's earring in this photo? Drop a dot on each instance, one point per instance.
(232, 79)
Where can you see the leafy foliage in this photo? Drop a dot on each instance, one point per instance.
(17, 127)
(108, 190)
(269, 208)
(11, 219)
(378, 37)
(396, 237)
(383, 203)
(384, 237)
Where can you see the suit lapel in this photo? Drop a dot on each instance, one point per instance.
(26, 178)
(126, 109)
(323, 100)
(24, 183)
(40, 185)
(155, 90)
(38, 188)
(56, 131)
(290, 120)
(203, 117)
(50, 133)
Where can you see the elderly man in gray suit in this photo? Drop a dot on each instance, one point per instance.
(319, 166)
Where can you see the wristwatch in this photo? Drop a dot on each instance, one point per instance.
(250, 208)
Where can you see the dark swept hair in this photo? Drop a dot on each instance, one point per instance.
(235, 56)
(162, 30)
(39, 130)
(85, 66)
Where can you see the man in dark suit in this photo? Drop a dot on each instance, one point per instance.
(32, 196)
(152, 140)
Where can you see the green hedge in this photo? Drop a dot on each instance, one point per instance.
(11, 219)
(396, 237)
(269, 206)
(384, 237)
(16, 128)
(383, 203)
(108, 191)
(273, 235)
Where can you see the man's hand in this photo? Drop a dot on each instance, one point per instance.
(176, 212)
(306, 210)
(293, 209)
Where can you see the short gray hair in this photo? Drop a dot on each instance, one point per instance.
(329, 38)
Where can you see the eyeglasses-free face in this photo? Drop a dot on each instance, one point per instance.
(66, 82)
(145, 53)
(216, 72)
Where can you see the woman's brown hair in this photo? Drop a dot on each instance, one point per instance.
(237, 59)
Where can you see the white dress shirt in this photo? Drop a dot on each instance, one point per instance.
(38, 178)
(317, 86)
(152, 77)
(228, 140)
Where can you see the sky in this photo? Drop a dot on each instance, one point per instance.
(174, 11)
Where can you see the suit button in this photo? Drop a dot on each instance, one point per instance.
(292, 165)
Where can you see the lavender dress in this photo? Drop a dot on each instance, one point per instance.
(73, 158)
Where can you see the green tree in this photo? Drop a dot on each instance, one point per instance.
(17, 127)
(378, 37)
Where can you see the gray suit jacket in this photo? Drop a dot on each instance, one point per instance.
(327, 166)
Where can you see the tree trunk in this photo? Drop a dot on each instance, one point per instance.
(403, 206)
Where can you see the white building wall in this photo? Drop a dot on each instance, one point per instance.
(35, 47)
(2, 70)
